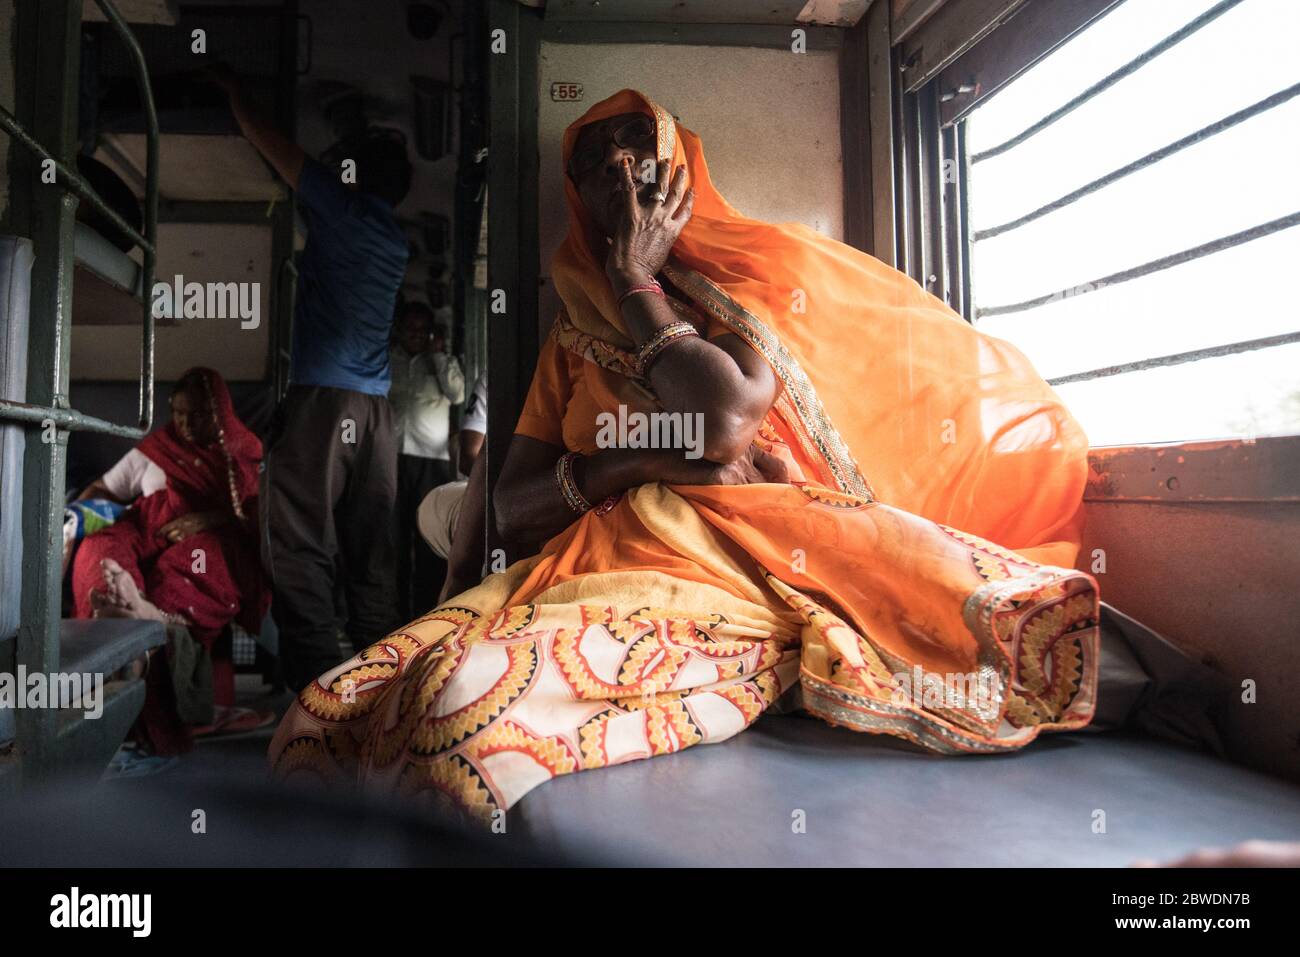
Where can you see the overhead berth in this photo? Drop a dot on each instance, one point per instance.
(106, 282)
(195, 167)
(97, 256)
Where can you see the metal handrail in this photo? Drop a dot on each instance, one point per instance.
(71, 179)
(71, 419)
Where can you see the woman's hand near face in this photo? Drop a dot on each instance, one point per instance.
(723, 379)
(648, 228)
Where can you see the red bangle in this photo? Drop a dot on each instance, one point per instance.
(650, 286)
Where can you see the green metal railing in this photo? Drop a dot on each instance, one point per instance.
(67, 418)
(43, 737)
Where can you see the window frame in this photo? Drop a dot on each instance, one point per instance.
(932, 94)
(932, 167)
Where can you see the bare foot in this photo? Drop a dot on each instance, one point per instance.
(102, 606)
(121, 598)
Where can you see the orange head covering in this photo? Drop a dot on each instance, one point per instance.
(896, 394)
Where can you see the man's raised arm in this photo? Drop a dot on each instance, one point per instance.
(282, 153)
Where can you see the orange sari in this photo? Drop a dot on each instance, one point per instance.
(678, 616)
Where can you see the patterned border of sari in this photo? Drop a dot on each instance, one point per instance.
(616, 666)
(1041, 619)
(1035, 629)
(435, 708)
(606, 354)
(812, 424)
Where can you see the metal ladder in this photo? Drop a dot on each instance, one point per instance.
(44, 741)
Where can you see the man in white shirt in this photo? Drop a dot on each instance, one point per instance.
(426, 383)
(439, 513)
(473, 426)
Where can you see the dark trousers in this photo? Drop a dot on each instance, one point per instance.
(420, 572)
(329, 488)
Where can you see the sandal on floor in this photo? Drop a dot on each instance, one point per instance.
(234, 720)
(132, 762)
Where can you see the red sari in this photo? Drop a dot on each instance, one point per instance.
(226, 585)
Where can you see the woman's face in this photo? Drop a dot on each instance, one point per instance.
(595, 166)
(192, 420)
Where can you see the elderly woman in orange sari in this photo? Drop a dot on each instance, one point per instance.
(880, 526)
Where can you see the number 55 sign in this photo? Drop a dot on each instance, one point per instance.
(566, 92)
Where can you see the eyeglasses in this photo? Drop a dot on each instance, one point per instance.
(638, 134)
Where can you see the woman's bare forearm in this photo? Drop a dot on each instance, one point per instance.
(696, 376)
(97, 489)
(527, 500)
(282, 153)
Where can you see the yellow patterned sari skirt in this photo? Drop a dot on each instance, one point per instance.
(680, 616)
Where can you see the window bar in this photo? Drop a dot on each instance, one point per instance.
(901, 155)
(1178, 358)
(930, 170)
(1206, 132)
(955, 216)
(962, 231)
(911, 247)
(1105, 83)
(1155, 265)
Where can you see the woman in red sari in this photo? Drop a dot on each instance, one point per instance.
(185, 552)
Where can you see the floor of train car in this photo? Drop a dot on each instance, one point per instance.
(243, 755)
(1086, 799)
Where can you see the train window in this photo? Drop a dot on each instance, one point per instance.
(1132, 211)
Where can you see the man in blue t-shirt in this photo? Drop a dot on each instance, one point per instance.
(330, 478)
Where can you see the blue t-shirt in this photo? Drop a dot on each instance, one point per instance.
(348, 278)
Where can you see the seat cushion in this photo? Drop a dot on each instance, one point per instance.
(862, 800)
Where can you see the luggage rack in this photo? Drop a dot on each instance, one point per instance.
(46, 739)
